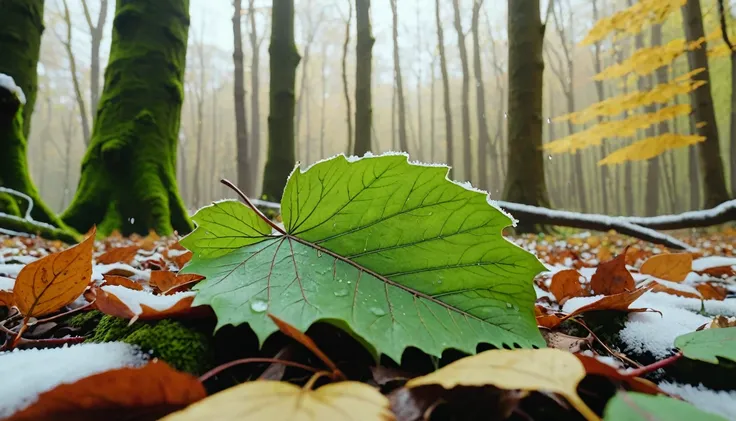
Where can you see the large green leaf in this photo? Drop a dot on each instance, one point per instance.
(391, 251)
(709, 344)
(631, 406)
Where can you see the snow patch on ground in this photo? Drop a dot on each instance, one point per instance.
(11, 269)
(7, 284)
(28, 373)
(655, 333)
(138, 275)
(540, 293)
(716, 402)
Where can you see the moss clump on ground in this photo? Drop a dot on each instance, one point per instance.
(184, 348)
(86, 320)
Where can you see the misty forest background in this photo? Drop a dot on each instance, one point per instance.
(407, 96)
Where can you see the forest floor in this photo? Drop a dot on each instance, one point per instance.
(137, 278)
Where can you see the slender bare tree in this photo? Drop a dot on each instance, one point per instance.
(363, 77)
(398, 80)
(97, 33)
(241, 120)
(465, 100)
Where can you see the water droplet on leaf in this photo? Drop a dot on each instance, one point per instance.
(341, 293)
(377, 311)
(259, 306)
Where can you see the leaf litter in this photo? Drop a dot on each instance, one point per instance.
(635, 300)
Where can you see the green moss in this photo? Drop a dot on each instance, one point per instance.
(86, 320)
(184, 348)
(128, 179)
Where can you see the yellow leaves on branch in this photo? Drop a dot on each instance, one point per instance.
(633, 19)
(614, 106)
(594, 135)
(650, 147)
(546, 370)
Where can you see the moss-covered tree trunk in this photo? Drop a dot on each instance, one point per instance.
(284, 58)
(21, 26)
(525, 178)
(128, 179)
(711, 165)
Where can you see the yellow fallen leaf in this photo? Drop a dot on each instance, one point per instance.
(276, 401)
(670, 267)
(547, 370)
(51, 282)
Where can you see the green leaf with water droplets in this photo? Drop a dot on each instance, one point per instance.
(393, 252)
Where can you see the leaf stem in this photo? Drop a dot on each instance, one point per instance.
(252, 206)
(655, 366)
(225, 366)
(610, 351)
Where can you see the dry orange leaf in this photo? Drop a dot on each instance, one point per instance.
(720, 271)
(118, 255)
(144, 393)
(182, 259)
(51, 282)
(612, 277)
(109, 303)
(545, 318)
(122, 281)
(618, 302)
(670, 267)
(711, 291)
(596, 367)
(6, 299)
(659, 287)
(566, 284)
(167, 281)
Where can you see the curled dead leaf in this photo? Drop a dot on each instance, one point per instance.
(672, 267)
(679, 290)
(711, 291)
(596, 367)
(126, 303)
(142, 393)
(122, 281)
(569, 343)
(612, 277)
(167, 281)
(53, 281)
(548, 370)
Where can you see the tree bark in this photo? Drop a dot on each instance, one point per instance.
(241, 123)
(284, 59)
(465, 100)
(255, 107)
(653, 165)
(449, 147)
(711, 165)
(128, 180)
(525, 179)
(484, 140)
(732, 112)
(345, 85)
(21, 26)
(199, 92)
(363, 78)
(400, 100)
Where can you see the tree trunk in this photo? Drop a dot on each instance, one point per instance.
(465, 104)
(323, 99)
(445, 90)
(525, 179)
(598, 66)
(653, 165)
(363, 78)
(403, 140)
(714, 182)
(128, 179)
(255, 107)
(484, 140)
(284, 59)
(432, 123)
(96, 32)
(241, 123)
(79, 96)
(345, 85)
(18, 61)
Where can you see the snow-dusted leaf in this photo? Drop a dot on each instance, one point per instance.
(709, 344)
(271, 400)
(632, 406)
(567, 283)
(142, 393)
(167, 281)
(127, 303)
(391, 251)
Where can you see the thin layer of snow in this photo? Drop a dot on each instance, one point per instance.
(14, 233)
(28, 373)
(719, 402)
(22, 259)
(177, 253)
(6, 284)
(655, 333)
(11, 269)
(7, 82)
(613, 362)
(138, 275)
(693, 278)
(691, 215)
(133, 298)
(540, 293)
(704, 263)
(576, 302)
(676, 286)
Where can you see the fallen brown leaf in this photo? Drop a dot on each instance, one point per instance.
(144, 393)
(122, 281)
(118, 255)
(711, 291)
(660, 287)
(566, 284)
(670, 267)
(110, 304)
(596, 367)
(612, 277)
(167, 281)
